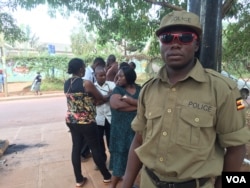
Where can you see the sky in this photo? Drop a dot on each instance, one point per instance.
(53, 30)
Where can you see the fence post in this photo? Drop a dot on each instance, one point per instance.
(2, 54)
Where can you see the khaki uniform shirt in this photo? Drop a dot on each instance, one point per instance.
(186, 126)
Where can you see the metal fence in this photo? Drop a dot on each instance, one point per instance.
(239, 71)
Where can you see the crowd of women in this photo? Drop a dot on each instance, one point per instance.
(102, 102)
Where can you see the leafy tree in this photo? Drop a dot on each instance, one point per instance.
(126, 22)
(123, 18)
(85, 44)
(82, 42)
(32, 38)
(132, 21)
(9, 28)
(236, 41)
(32, 41)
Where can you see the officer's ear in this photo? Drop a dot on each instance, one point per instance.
(197, 48)
(197, 45)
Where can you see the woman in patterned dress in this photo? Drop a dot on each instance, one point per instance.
(80, 118)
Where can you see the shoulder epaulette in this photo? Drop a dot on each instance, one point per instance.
(231, 83)
(145, 83)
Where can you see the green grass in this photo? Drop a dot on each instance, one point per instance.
(52, 84)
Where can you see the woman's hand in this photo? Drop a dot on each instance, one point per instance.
(129, 100)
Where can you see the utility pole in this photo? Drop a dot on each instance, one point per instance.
(2, 55)
(210, 12)
(211, 19)
(3, 143)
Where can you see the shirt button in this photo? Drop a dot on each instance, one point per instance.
(197, 120)
(169, 110)
(161, 159)
(165, 133)
(173, 89)
(149, 113)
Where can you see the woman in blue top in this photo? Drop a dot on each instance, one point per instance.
(80, 118)
(123, 104)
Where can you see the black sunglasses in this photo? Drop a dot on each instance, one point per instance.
(183, 38)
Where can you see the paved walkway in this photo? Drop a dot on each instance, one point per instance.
(39, 157)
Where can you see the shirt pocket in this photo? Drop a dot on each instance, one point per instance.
(153, 116)
(195, 128)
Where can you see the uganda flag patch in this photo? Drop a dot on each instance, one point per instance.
(240, 104)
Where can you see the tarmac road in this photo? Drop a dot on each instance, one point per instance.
(32, 112)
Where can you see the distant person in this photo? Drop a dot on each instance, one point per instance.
(132, 65)
(80, 118)
(103, 111)
(123, 104)
(36, 85)
(90, 75)
(112, 68)
(244, 93)
(1, 81)
(245, 96)
(122, 64)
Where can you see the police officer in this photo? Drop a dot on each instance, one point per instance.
(189, 125)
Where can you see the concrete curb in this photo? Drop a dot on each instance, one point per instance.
(3, 146)
(31, 97)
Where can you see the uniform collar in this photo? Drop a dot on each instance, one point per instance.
(104, 84)
(197, 73)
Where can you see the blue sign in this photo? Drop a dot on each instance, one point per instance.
(51, 49)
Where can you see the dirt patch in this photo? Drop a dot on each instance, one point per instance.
(22, 89)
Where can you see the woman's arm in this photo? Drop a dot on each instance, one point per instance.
(117, 103)
(129, 100)
(90, 88)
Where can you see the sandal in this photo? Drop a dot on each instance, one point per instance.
(106, 180)
(82, 183)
